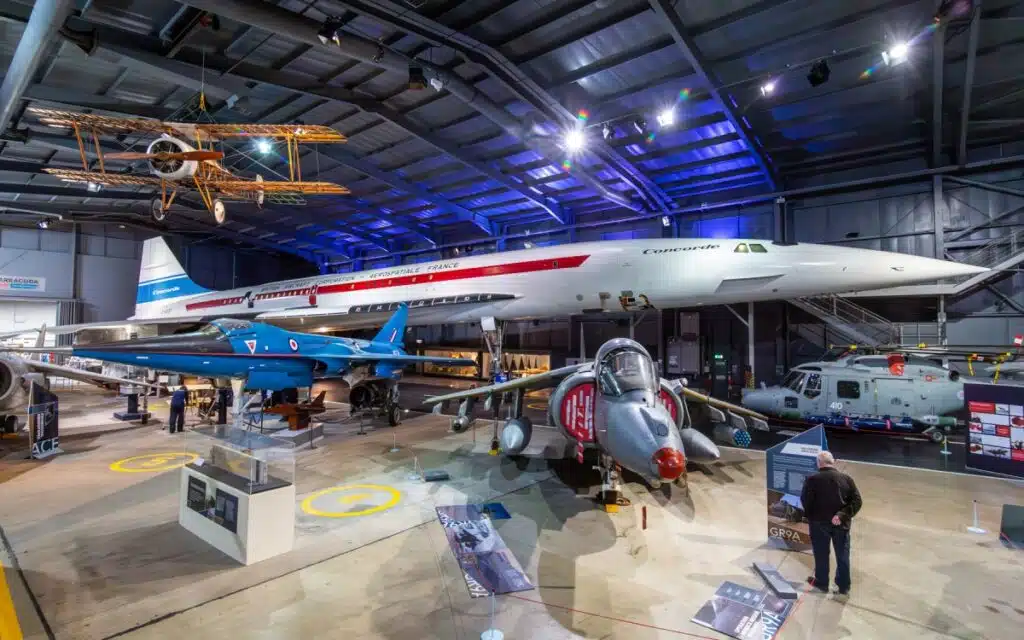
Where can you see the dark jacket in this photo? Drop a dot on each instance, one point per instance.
(830, 493)
(178, 399)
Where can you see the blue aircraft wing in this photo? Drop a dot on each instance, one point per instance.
(407, 359)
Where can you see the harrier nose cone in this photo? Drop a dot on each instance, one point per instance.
(669, 462)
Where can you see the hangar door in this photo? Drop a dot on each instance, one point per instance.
(23, 315)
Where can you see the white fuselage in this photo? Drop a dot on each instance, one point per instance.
(569, 279)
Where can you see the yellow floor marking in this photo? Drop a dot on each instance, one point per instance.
(153, 462)
(371, 491)
(9, 627)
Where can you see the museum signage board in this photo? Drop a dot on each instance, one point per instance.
(787, 465)
(43, 415)
(21, 284)
(487, 564)
(995, 429)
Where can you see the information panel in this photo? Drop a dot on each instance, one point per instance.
(43, 421)
(744, 613)
(995, 432)
(788, 464)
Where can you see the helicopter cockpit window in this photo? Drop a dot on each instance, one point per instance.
(793, 381)
(742, 248)
(625, 371)
(813, 388)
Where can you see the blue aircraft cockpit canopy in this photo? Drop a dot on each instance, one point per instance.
(229, 326)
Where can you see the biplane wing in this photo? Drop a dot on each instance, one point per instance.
(106, 179)
(239, 187)
(192, 130)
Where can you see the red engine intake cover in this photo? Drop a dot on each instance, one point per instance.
(577, 412)
(669, 404)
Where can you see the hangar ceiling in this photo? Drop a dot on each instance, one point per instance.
(481, 150)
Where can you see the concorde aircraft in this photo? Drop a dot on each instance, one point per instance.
(271, 358)
(539, 283)
(616, 405)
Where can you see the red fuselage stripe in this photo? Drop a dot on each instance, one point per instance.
(530, 266)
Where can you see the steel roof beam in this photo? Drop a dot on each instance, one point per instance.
(667, 13)
(286, 23)
(44, 23)
(965, 107)
(938, 65)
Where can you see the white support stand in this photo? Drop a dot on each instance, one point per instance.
(492, 633)
(265, 521)
(975, 528)
(945, 451)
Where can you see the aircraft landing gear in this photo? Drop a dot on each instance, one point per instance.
(610, 497)
(494, 336)
(376, 399)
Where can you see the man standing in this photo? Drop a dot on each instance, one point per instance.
(830, 500)
(176, 421)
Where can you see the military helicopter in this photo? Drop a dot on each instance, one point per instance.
(896, 392)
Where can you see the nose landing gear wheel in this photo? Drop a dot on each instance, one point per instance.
(220, 213)
(156, 208)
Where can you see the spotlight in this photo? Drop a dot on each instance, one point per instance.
(436, 83)
(121, 226)
(666, 221)
(93, 187)
(43, 224)
(768, 88)
(329, 32)
(607, 132)
(574, 140)
(897, 54)
(417, 80)
(264, 146)
(667, 118)
(640, 125)
(950, 9)
(819, 73)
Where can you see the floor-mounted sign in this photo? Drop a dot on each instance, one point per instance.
(42, 422)
(788, 464)
(22, 283)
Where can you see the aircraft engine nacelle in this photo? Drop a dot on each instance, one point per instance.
(171, 168)
(14, 382)
(369, 394)
(515, 436)
(672, 402)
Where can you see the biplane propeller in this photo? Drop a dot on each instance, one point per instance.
(177, 165)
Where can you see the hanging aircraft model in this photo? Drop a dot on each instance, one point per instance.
(177, 165)
(17, 374)
(616, 405)
(270, 358)
(896, 392)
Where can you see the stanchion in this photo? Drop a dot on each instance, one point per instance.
(416, 474)
(492, 633)
(945, 446)
(975, 528)
(394, 443)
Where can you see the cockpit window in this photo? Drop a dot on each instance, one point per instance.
(230, 324)
(793, 381)
(813, 388)
(624, 371)
(758, 248)
(742, 248)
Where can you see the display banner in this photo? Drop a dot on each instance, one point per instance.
(744, 613)
(787, 465)
(487, 564)
(42, 422)
(22, 283)
(995, 432)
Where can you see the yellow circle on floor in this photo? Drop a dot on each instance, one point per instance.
(153, 462)
(379, 498)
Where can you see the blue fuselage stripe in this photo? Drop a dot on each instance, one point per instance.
(218, 366)
(176, 287)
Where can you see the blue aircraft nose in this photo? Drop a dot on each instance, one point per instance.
(209, 340)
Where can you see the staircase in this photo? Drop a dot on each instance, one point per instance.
(851, 320)
(999, 254)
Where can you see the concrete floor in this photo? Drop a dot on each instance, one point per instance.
(103, 555)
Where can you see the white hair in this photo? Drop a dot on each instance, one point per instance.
(825, 459)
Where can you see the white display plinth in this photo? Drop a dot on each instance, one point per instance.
(265, 522)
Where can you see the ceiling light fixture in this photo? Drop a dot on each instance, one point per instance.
(666, 221)
(574, 140)
(417, 80)
(768, 88)
(264, 146)
(640, 125)
(329, 32)
(667, 117)
(606, 131)
(898, 53)
(43, 224)
(93, 187)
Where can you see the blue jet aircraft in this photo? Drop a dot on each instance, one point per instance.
(270, 358)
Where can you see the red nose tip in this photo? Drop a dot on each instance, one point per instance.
(670, 462)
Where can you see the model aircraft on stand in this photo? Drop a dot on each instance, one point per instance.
(177, 165)
(616, 405)
(263, 357)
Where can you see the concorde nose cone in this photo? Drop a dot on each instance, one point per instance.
(934, 269)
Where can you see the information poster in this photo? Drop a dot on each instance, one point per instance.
(995, 432)
(196, 497)
(22, 283)
(487, 564)
(225, 512)
(744, 613)
(788, 464)
(43, 417)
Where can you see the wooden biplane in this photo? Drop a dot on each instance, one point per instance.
(178, 165)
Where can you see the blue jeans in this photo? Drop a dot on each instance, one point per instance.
(824, 534)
